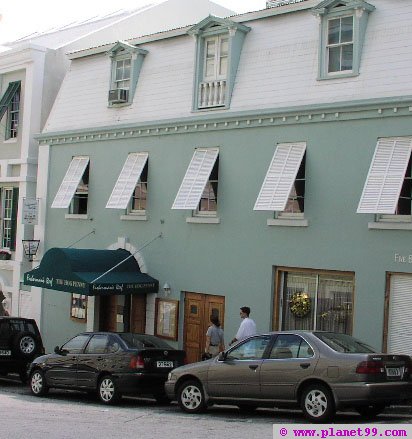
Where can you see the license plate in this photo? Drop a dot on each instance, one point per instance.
(4, 352)
(393, 371)
(164, 363)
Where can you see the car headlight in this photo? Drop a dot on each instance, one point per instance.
(170, 376)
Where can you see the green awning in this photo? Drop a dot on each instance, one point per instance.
(6, 99)
(80, 271)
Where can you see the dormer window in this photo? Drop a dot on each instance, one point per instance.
(10, 106)
(127, 61)
(342, 32)
(218, 45)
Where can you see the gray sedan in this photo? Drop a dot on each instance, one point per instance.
(320, 372)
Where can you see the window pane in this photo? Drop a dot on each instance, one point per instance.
(333, 31)
(250, 350)
(97, 344)
(335, 304)
(223, 66)
(334, 59)
(210, 49)
(347, 57)
(346, 30)
(224, 47)
(210, 67)
(76, 344)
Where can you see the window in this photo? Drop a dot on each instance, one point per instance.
(290, 346)
(9, 204)
(78, 309)
(76, 344)
(218, 45)
(283, 189)
(315, 300)
(74, 189)
(97, 344)
(388, 189)
(253, 349)
(198, 190)
(130, 190)
(342, 32)
(126, 63)
(13, 113)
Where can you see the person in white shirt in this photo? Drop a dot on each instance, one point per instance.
(247, 327)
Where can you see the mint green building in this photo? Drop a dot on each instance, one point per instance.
(262, 159)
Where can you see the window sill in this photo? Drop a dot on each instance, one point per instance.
(11, 140)
(378, 225)
(132, 217)
(119, 105)
(203, 220)
(296, 222)
(76, 216)
(337, 76)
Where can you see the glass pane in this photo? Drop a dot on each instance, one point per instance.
(224, 47)
(334, 59)
(333, 31)
(210, 67)
(347, 57)
(223, 66)
(346, 30)
(210, 49)
(97, 344)
(76, 344)
(250, 350)
(334, 312)
(298, 301)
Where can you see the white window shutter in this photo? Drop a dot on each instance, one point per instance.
(280, 177)
(386, 174)
(128, 178)
(195, 179)
(70, 182)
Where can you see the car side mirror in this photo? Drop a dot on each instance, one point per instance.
(221, 356)
(57, 350)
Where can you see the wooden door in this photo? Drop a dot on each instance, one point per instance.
(198, 309)
(138, 314)
(108, 313)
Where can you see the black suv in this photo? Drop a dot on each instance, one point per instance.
(20, 343)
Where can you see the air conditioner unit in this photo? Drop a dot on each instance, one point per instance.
(118, 96)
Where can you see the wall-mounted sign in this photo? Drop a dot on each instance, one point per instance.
(30, 210)
(403, 259)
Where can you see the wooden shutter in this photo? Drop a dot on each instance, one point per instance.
(128, 178)
(280, 177)
(6, 99)
(386, 174)
(196, 177)
(70, 182)
(14, 207)
(400, 308)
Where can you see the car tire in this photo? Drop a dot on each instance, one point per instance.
(317, 403)
(38, 385)
(25, 345)
(191, 397)
(370, 411)
(107, 390)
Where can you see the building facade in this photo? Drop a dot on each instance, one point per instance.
(261, 160)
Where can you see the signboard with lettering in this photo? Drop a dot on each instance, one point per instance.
(30, 210)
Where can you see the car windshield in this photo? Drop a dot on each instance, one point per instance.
(344, 343)
(141, 341)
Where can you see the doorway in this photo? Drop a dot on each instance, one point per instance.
(198, 309)
(123, 313)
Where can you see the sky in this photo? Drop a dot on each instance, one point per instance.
(22, 17)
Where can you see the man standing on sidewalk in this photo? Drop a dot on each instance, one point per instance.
(247, 327)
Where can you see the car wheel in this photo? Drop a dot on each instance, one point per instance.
(161, 398)
(317, 403)
(38, 384)
(107, 390)
(190, 397)
(370, 411)
(25, 345)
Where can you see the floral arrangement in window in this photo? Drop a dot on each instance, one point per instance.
(300, 304)
(5, 254)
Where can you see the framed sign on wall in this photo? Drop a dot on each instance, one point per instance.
(167, 318)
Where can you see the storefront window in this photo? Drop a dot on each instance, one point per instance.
(79, 307)
(319, 301)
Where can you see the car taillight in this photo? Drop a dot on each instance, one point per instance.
(136, 362)
(370, 367)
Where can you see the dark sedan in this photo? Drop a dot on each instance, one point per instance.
(318, 371)
(112, 364)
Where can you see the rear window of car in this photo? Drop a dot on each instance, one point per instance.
(344, 343)
(141, 341)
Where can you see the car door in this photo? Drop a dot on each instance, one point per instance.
(238, 375)
(61, 368)
(290, 360)
(92, 360)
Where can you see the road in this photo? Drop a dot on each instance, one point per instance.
(67, 415)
